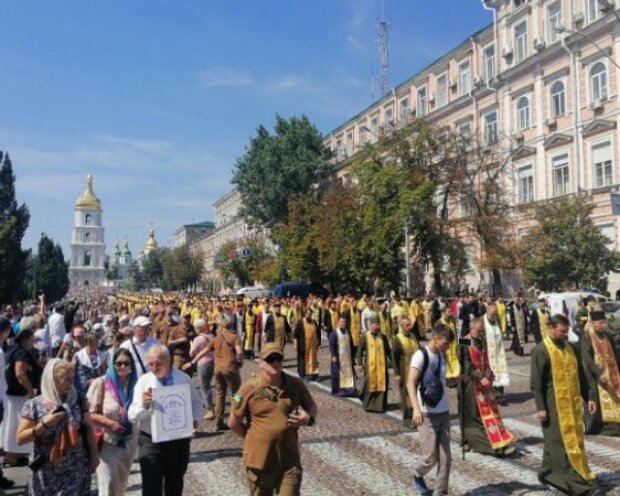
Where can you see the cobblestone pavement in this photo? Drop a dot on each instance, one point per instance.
(350, 452)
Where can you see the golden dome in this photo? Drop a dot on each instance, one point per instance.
(151, 244)
(88, 201)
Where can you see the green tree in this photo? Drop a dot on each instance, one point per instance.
(236, 270)
(181, 269)
(50, 270)
(566, 249)
(14, 220)
(276, 167)
(152, 269)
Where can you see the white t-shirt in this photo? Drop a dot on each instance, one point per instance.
(417, 361)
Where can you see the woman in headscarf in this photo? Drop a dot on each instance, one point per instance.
(109, 398)
(57, 421)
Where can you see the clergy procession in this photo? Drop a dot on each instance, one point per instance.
(85, 378)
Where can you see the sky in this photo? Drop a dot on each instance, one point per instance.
(157, 99)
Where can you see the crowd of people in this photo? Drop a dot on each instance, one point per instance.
(77, 394)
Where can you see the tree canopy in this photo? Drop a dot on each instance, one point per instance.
(566, 249)
(277, 166)
(50, 271)
(14, 220)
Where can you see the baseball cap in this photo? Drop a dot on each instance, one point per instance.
(270, 349)
(141, 321)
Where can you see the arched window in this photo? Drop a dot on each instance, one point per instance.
(523, 113)
(558, 99)
(87, 237)
(87, 258)
(87, 218)
(598, 82)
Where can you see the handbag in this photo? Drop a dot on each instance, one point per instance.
(431, 392)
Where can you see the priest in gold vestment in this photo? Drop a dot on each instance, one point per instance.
(557, 382)
(373, 356)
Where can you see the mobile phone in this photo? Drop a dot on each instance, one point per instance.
(59, 409)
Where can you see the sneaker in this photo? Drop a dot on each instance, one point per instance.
(420, 486)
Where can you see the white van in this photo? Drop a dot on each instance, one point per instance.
(254, 292)
(566, 304)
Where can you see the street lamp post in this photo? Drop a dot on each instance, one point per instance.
(562, 29)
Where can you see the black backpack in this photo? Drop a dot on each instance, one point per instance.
(431, 392)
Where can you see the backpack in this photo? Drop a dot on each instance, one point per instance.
(431, 392)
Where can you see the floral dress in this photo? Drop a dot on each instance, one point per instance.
(72, 476)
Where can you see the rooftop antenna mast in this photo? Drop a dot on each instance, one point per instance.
(384, 84)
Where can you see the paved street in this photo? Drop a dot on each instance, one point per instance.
(349, 451)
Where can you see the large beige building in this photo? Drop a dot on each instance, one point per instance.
(549, 96)
(230, 227)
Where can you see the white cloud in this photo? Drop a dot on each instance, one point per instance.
(355, 44)
(224, 77)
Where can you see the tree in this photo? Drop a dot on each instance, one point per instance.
(477, 175)
(50, 271)
(237, 270)
(152, 269)
(14, 221)
(566, 249)
(181, 269)
(276, 167)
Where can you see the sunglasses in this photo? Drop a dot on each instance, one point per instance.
(122, 364)
(274, 359)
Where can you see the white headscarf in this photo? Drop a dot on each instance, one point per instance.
(49, 392)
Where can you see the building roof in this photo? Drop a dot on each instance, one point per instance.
(206, 223)
(88, 200)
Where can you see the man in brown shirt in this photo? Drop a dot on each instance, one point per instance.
(270, 403)
(162, 330)
(228, 361)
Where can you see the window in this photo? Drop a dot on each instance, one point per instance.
(422, 102)
(598, 82)
(593, 10)
(87, 258)
(87, 219)
(560, 175)
(489, 63)
(389, 119)
(520, 42)
(374, 129)
(350, 143)
(87, 237)
(554, 19)
(465, 130)
(467, 207)
(526, 184)
(442, 90)
(523, 113)
(404, 111)
(602, 164)
(558, 99)
(464, 78)
(361, 133)
(339, 150)
(518, 3)
(609, 231)
(491, 132)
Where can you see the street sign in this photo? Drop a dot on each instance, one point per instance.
(245, 253)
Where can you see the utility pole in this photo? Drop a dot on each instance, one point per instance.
(383, 54)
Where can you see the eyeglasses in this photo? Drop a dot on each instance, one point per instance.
(271, 359)
(122, 364)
